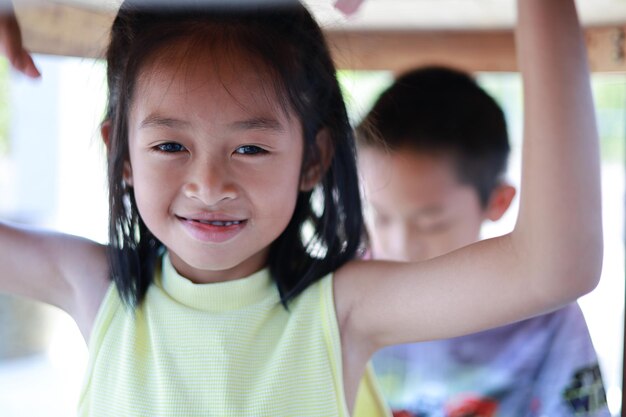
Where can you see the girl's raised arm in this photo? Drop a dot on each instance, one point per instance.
(65, 271)
(553, 255)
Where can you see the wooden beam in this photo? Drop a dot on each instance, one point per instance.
(470, 50)
(60, 29)
(399, 51)
(607, 48)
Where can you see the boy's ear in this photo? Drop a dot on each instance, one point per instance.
(500, 201)
(317, 166)
(105, 132)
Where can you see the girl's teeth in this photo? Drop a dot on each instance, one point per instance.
(219, 223)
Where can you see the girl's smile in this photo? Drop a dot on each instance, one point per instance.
(212, 228)
(214, 161)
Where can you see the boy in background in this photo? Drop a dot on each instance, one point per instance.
(432, 155)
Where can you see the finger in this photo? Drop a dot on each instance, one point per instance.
(23, 63)
(348, 7)
(10, 36)
(28, 66)
(11, 43)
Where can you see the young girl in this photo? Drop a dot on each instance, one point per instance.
(228, 143)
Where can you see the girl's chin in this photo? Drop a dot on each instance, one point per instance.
(201, 268)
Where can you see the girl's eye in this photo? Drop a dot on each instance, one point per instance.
(170, 147)
(249, 150)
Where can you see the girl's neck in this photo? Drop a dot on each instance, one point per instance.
(201, 274)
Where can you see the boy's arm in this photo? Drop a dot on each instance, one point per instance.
(554, 253)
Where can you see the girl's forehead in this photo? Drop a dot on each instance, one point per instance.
(184, 61)
(209, 89)
(217, 71)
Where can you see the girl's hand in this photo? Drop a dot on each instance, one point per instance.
(348, 7)
(11, 43)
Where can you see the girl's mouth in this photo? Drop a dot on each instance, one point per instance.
(212, 230)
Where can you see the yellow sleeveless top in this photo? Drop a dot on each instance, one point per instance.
(222, 349)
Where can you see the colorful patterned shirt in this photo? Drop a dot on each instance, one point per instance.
(544, 366)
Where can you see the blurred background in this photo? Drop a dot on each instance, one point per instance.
(52, 165)
(52, 174)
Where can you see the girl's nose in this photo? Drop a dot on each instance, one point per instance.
(209, 182)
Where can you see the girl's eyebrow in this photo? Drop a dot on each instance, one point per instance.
(154, 120)
(255, 123)
(258, 123)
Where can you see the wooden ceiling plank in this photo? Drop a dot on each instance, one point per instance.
(398, 51)
(60, 29)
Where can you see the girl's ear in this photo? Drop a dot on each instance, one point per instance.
(500, 201)
(105, 132)
(128, 174)
(318, 164)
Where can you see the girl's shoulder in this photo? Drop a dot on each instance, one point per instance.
(347, 284)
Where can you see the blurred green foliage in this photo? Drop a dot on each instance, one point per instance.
(361, 89)
(609, 92)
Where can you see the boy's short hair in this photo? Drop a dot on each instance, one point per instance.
(442, 111)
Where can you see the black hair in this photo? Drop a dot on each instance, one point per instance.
(291, 46)
(444, 111)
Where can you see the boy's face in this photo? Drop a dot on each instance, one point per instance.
(416, 208)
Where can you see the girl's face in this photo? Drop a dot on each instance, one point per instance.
(214, 161)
